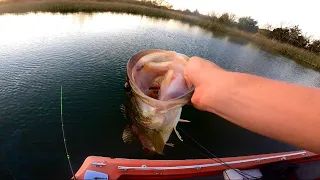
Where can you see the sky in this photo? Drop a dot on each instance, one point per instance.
(275, 12)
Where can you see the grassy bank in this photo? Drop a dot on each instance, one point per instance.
(301, 56)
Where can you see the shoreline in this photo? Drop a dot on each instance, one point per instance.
(301, 56)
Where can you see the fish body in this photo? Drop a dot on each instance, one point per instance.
(155, 93)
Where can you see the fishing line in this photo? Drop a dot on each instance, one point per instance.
(245, 175)
(197, 151)
(64, 137)
(217, 159)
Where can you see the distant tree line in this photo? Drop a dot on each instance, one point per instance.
(244, 23)
(156, 3)
(293, 35)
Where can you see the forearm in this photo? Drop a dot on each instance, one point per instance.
(279, 110)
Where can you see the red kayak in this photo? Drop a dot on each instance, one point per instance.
(95, 167)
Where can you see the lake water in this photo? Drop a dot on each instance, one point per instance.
(87, 54)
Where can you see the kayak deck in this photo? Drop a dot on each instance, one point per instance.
(120, 168)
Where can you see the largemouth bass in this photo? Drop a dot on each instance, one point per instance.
(155, 93)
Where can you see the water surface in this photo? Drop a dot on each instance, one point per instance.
(87, 54)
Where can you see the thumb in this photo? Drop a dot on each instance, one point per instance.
(195, 69)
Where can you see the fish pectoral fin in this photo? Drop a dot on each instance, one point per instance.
(177, 133)
(182, 120)
(127, 135)
(157, 142)
(170, 144)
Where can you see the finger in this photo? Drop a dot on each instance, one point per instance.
(191, 71)
(197, 69)
(197, 100)
(206, 63)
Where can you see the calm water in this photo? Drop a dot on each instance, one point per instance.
(87, 54)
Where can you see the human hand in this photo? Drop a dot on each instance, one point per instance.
(209, 80)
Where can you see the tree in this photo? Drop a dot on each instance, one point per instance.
(196, 12)
(227, 19)
(314, 46)
(158, 3)
(292, 35)
(268, 27)
(280, 34)
(296, 38)
(233, 18)
(187, 11)
(248, 24)
(301, 42)
(212, 16)
(163, 3)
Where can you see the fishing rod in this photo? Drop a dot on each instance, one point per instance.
(64, 137)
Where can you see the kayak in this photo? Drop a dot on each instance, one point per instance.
(97, 167)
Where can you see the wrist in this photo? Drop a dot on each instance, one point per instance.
(220, 91)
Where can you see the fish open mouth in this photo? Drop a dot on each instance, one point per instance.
(159, 74)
